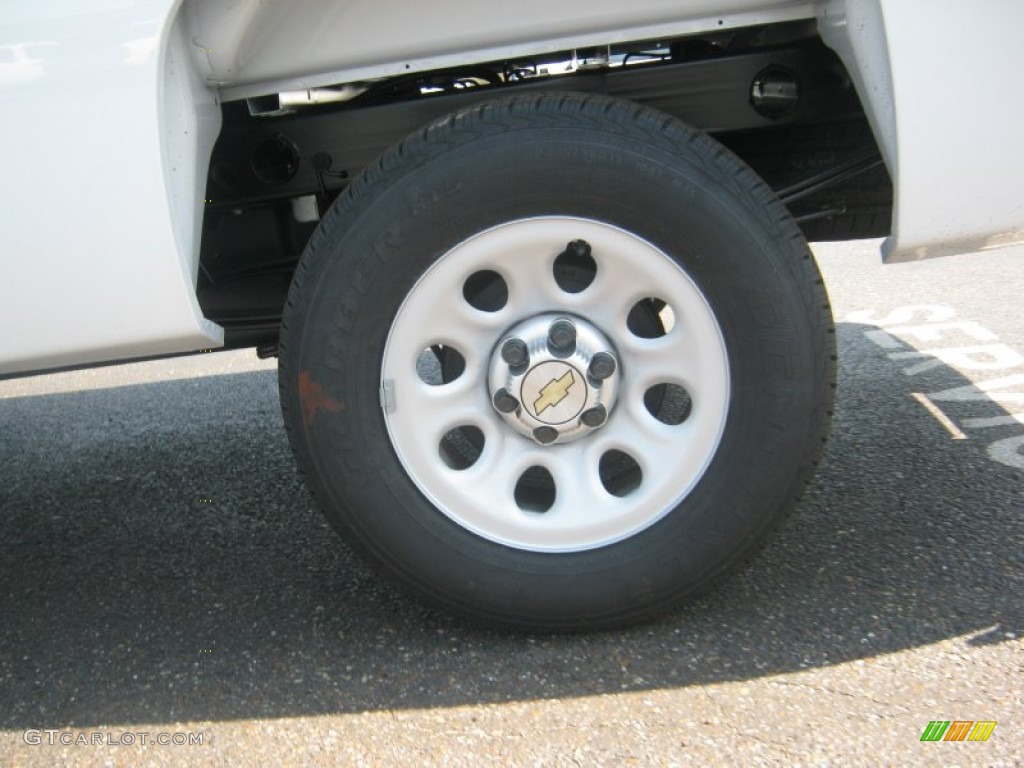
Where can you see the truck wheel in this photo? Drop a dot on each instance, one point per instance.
(557, 362)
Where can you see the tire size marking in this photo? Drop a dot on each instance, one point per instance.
(936, 327)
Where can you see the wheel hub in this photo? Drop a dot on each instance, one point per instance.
(554, 378)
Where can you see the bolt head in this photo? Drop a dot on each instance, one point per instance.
(602, 365)
(545, 435)
(504, 401)
(594, 417)
(562, 335)
(515, 353)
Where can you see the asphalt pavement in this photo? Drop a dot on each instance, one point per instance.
(164, 573)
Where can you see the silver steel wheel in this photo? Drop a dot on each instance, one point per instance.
(584, 424)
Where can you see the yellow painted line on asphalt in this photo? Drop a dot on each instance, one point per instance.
(940, 417)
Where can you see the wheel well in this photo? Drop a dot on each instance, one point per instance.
(775, 95)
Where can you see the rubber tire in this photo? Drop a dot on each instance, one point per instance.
(592, 157)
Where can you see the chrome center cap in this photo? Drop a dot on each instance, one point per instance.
(554, 378)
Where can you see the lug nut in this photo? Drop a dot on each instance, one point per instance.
(515, 353)
(602, 365)
(578, 248)
(545, 435)
(594, 417)
(562, 336)
(505, 402)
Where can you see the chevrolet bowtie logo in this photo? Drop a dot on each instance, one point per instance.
(554, 392)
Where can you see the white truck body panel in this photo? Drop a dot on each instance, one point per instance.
(112, 110)
(104, 138)
(251, 49)
(940, 85)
